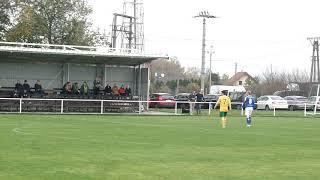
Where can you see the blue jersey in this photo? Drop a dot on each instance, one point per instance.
(248, 102)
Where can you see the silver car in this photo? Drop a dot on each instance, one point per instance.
(297, 102)
(271, 102)
(312, 101)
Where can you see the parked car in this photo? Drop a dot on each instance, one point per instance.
(296, 102)
(237, 99)
(165, 100)
(210, 98)
(311, 102)
(285, 93)
(270, 102)
(182, 97)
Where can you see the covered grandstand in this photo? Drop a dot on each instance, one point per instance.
(55, 65)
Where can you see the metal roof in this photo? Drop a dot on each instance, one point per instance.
(46, 53)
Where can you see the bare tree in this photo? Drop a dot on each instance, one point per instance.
(271, 81)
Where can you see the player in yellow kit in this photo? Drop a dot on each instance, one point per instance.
(225, 106)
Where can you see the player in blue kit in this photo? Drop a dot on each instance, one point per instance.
(248, 106)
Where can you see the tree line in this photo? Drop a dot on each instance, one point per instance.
(47, 21)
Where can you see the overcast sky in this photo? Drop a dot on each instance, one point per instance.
(256, 34)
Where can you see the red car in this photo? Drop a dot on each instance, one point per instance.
(165, 100)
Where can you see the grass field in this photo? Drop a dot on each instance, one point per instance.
(158, 147)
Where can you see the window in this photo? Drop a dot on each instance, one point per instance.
(276, 98)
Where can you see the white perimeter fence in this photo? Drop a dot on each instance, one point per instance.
(95, 106)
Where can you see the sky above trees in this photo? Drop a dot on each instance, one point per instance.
(257, 35)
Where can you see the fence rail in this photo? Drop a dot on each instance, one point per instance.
(96, 106)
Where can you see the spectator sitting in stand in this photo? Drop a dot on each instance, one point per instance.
(38, 88)
(115, 90)
(107, 90)
(67, 89)
(18, 89)
(96, 87)
(128, 91)
(84, 90)
(75, 89)
(26, 89)
(121, 90)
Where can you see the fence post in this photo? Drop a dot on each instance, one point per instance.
(61, 106)
(209, 108)
(190, 108)
(101, 112)
(140, 107)
(176, 108)
(274, 111)
(305, 109)
(20, 106)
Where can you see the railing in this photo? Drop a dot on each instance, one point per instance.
(70, 49)
(97, 106)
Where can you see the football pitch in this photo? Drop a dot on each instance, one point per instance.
(158, 147)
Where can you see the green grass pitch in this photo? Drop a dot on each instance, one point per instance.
(86, 147)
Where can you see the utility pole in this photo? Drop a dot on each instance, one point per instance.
(204, 15)
(210, 70)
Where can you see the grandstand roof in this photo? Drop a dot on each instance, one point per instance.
(30, 52)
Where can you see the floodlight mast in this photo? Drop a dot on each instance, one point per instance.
(204, 15)
(315, 66)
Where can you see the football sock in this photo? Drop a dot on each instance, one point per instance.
(223, 122)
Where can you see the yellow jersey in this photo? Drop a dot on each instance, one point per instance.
(225, 103)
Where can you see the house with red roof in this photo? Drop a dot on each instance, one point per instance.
(239, 79)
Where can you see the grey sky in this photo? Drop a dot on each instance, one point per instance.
(253, 33)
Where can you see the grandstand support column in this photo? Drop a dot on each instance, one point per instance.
(134, 87)
(66, 73)
(100, 71)
(104, 83)
(139, 85)
(148, 91)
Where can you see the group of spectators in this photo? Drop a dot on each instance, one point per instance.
(98, 89)
(75, 89)
(24, 90)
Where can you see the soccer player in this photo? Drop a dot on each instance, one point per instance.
(248, 105)
(225, 106)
